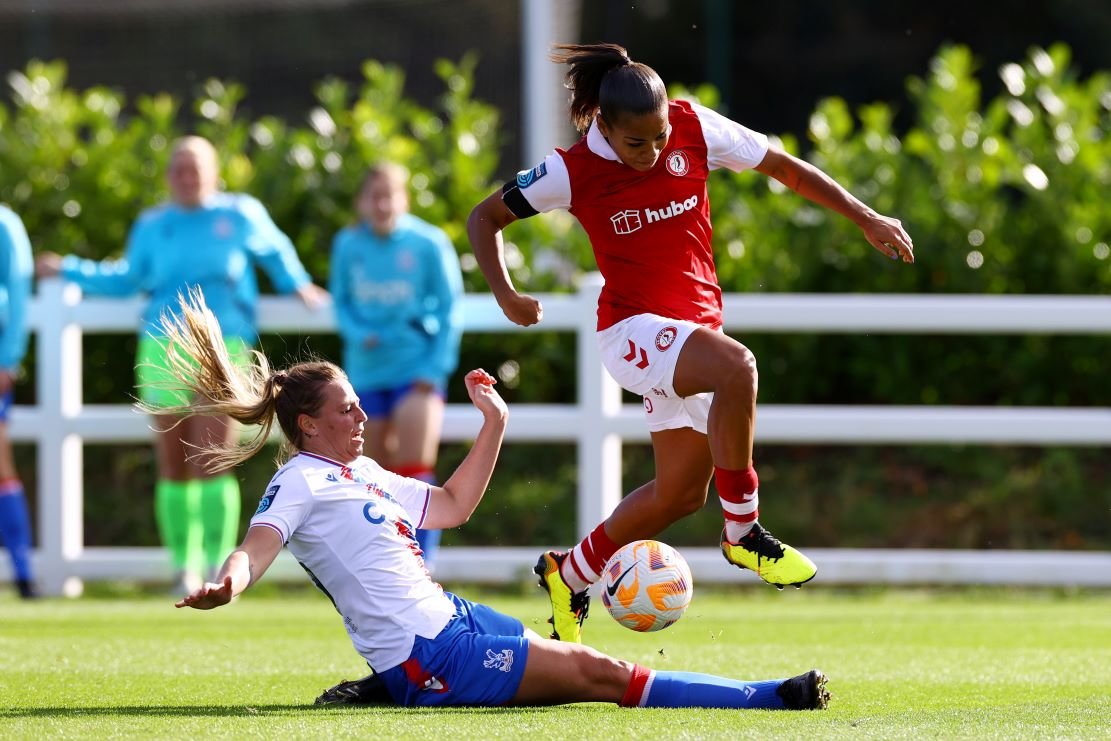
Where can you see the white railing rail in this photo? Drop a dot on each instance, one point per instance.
(598, 423)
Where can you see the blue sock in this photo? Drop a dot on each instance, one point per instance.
(15, 528)
(692, 690)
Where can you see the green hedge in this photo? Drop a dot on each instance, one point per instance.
(1001, 196)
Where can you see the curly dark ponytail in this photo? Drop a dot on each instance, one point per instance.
(603, 79)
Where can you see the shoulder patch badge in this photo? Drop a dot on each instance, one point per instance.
(267, 499)
(525, 178)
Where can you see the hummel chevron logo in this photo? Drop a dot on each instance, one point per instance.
(612, 588)
(633, 353)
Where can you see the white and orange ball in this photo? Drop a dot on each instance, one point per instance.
(646, 585)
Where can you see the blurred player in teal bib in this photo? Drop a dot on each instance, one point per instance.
(200, 238)
(396, 283)
(15, 290)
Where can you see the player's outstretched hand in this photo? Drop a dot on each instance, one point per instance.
(888, 236)
(208, 596)
(480, 387)
(522, 309)
(313, 296)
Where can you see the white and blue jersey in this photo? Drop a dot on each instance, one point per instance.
(352, 528)
(16, 267)
(397, 302)
(215, 247)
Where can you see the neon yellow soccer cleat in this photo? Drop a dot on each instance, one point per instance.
(568, 608)
(774, 562)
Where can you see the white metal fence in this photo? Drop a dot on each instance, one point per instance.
(598, 424)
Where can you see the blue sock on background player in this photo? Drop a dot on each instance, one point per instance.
(15, 530)
(653, 689)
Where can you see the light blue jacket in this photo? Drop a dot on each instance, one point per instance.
(215, 247)
(400, 292)
(16, 267)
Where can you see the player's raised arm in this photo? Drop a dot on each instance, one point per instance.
(884, 233)
(484, 227)
(453, 504)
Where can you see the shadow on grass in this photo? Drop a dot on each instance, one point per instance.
(246, 711)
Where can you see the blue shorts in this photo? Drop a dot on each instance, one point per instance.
(380, 403)
(6, 405)
(477, 659)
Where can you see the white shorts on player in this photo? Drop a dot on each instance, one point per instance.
(641, 353)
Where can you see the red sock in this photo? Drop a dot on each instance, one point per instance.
(639, 684)
(739, 493)
(584, 563)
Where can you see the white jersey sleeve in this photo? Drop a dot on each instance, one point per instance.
(543, 188)
(352, 527)
(729, 145)
(285, 505)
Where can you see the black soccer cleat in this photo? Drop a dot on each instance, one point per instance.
(805, 692)
(369, 690)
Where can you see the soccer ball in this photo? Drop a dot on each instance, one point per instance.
(646, 585)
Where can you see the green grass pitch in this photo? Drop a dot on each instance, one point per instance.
(982, 663)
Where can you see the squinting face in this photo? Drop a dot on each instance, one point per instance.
(381, 203)
(192, 178)
(638, 140)
(336, 431)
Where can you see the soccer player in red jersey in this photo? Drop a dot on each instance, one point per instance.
(636, 181)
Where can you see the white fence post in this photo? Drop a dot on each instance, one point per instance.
(60, 456)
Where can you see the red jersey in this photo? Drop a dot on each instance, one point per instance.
(650, 231)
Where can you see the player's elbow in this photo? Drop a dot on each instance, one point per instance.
(458, 513)
(479, 221)
(488, 218)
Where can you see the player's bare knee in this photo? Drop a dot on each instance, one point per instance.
(740, 377)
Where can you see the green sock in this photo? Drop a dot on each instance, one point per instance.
(177, 510)
(220, 517)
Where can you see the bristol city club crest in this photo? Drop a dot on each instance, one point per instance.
(677, 163)
(665, 338)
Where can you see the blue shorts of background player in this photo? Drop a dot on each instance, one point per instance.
(380, 406)
(380, 403)
(477, 659)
